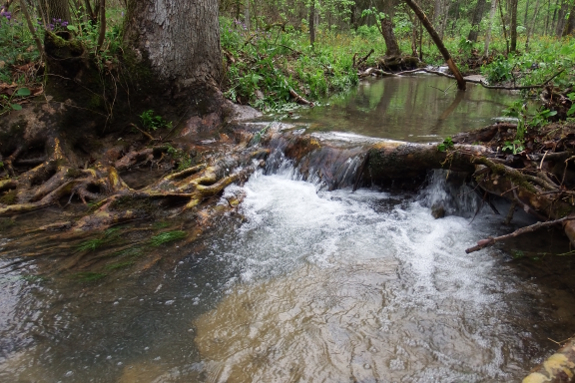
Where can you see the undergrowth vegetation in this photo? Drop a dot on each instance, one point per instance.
(270, 66)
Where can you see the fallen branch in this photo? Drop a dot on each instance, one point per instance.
(143, 132)
(299, 98)
(481, 82)
(370, 71)
(363, 59)
(524, 230)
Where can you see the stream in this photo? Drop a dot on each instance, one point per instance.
(304, 284)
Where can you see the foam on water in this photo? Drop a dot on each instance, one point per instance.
(356, 272)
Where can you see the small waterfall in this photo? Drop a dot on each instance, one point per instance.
(336, 165)
(450, 191)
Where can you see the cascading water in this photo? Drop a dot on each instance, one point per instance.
(314, 283)
(361, 287)
(314, 286)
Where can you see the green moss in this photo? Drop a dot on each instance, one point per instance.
(6, 223)
(88, 276)
(168, 236)
(95, 102)
(90, 244)
(9, 198)
(120, 265)
(73, 173)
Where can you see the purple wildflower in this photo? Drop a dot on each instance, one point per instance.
(64, 23)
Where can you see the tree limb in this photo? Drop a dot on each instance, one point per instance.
(524, 230)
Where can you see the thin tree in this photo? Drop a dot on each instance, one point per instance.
(440, 46)
(489, 26)
(532, 25)
(513, 27)
(476, 20)
(570, 23)
(312, 23)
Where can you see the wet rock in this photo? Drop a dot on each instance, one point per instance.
(437, 211)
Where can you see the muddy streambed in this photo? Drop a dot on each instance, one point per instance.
(302, 285)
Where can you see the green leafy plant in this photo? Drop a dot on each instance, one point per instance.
(541, 118)
(571, 110)
(518, 110)
(151, 121)
(445, 145)
(514, 147)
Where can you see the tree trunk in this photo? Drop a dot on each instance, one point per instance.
(513, 11)
(489, 26)
(547, 17)
(392, 48)
(178, 39)
(504, 29)
(477, 16)
(570, 24)
(54, 10)
(526, 11)
(532, 26)
(561, 18)
(554, 14)
(312, 23)
(247, 14)
(435, 37)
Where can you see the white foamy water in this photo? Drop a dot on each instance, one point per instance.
(343, 287)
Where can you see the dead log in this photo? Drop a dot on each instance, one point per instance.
(371, 162)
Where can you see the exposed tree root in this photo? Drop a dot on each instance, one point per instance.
(558, 368)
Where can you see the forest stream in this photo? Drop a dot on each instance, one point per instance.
(307, 284)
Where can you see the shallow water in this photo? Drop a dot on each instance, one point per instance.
(309, 285)
(313, 286)
(420, 108)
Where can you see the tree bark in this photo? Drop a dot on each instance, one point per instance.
(391, 46)
(570, 23)
(532, 26)
(55, 10)
(312, 23)
(437, 40)
(561, 18)
(178, 39)
(488, 32)
(513, 11)
(476, 20)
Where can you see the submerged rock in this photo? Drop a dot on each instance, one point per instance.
(437, 211)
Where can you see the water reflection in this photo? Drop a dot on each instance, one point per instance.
(419, 108)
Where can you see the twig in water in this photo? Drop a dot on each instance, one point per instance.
(524, 230)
